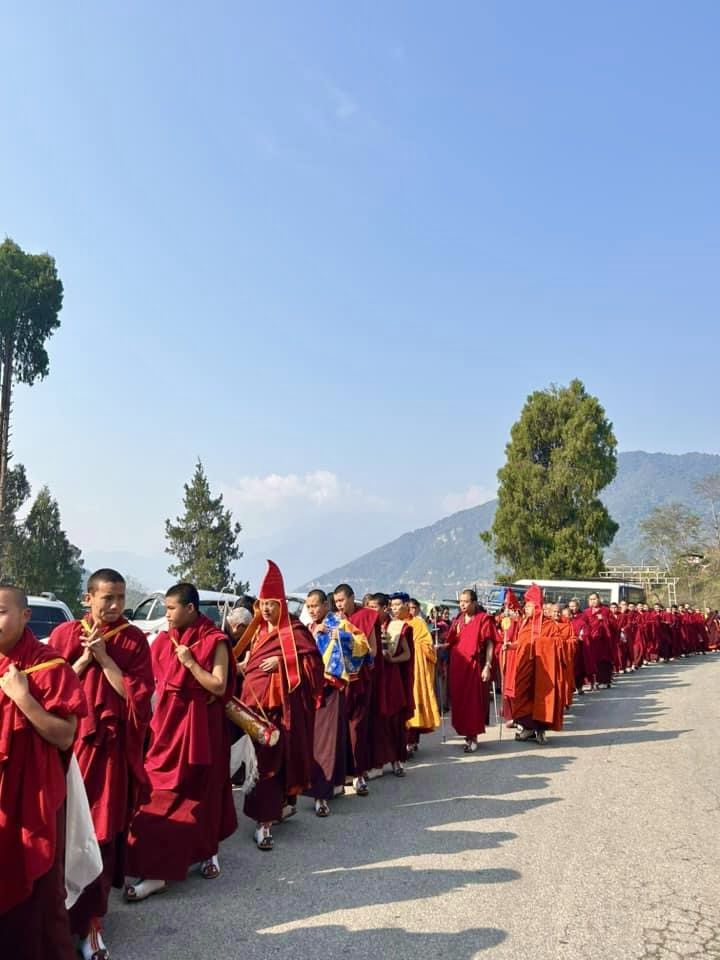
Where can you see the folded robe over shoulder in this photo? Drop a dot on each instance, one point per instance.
(110, 741)
(469, 693)
(426, 716)
(188, 807)
(294, 709)
(32, 771)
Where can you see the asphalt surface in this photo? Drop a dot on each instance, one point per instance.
(603, 843)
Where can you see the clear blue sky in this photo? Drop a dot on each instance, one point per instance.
(331, 249)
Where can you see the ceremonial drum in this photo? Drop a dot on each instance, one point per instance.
(257, 727)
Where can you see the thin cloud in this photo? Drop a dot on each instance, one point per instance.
(320, 488)
(472, 497)
(343, 103)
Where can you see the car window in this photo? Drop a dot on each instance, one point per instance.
(211, 609)
(142, 612)
(45, 619)
(158, 610)
(295, 606)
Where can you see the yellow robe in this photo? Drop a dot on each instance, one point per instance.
(427, 715)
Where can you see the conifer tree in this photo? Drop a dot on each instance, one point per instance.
(43, 559)
(204, 539)
(31, 295)
(549, 521)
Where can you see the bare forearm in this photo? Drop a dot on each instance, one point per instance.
(114, 676)
(81, 665)
(208, 681)
(55, 730)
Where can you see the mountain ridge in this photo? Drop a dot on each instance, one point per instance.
(445, 556)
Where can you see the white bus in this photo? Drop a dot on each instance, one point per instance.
(561, 591)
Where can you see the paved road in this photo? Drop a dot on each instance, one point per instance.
(603, 843)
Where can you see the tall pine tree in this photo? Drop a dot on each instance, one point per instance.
(549, 521)
(31, 295)
(43, 559)
(203, 540)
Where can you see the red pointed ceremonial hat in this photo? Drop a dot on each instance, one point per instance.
(273, 588)
(511, 600)
(534, 594)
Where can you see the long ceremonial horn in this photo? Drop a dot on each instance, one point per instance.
(246, 639)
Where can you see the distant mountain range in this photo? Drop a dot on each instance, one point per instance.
(439, 560)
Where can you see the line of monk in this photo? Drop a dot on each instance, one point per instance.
(337, 700)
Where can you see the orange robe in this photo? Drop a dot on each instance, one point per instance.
(538, 700)
(567, 643)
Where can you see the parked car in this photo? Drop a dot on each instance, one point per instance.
(47, 613)
(149, 615)
(296, 606)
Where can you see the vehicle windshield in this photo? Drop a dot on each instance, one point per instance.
(213, 610)
(44, 620)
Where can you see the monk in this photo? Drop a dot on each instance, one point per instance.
(41, 702)
(360, 691)
(596, 631)
(188, 807)
(395, 691)
(343, 649)
(426, 716)
(712, 629)
(471, 640)
(566, 641)
(537, 705)
(617, 644)
(283, 681)
(112, 660)
(585, 667)
(508, 622)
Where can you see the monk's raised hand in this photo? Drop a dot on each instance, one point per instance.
(184, 656)
(14, 684)
(98, 648)
(270, 664)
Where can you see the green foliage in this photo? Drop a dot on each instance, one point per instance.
(686, 543)
(41, 558)
(708, 489)
(204, 539)
(549, 520)
(30, 300)
(17, 490)
(669, 533)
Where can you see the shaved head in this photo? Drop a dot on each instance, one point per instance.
(18, 595)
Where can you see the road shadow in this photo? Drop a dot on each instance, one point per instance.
(390, 942)
(389, 857)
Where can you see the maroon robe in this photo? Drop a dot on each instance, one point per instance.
(596, 630)
(33, 920)
(109, 750)
(651, 635)
(359, 698)
(188, 808)
(664, 621)
(585, 666)
(395, 706)
(642, 637)
(617, 646)
(469, 694)
(286, 769)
